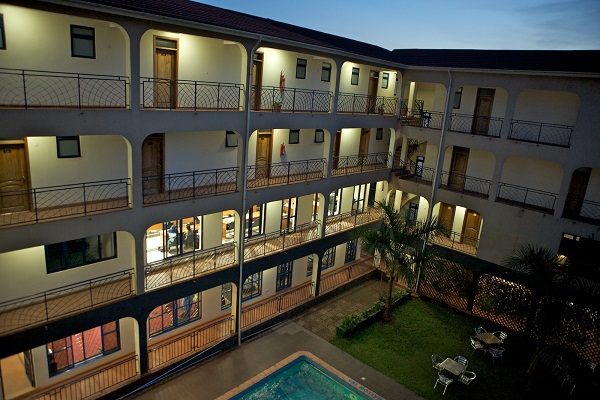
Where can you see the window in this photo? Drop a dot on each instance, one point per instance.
(351, 251)
(379, 134)
(326, 72)
(74, 350)
(457, 98)
(300, 68)
(254, 225)
(358, 200)
(226, 296)
(309, 265)
(385, 80)
(83, 42)
(78, 252)
(252, 286)
(319, 136)
(294, 136)
(175, 314)
(2, 34)
(413, 211)
(284, 275)
(419, 166)
(173, 238)
(372, 193)
(315, 213)
(328, 259)
(288, 214)
(335, 198)
(354, 78)
(67, 147)
(231, 139)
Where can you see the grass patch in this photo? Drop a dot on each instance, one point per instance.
(402, 350)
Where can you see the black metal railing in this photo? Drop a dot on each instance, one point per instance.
(260, 246)
(271, 98)
(465, 184)
(191, 95)
(346, 165)
(286, 172)
(582, 210)
(457, 241)
(351, 219)
(188, 266)
(484, 126)
(343, 275)
(366, 104)
(40, 308)
(189, 185)
(31, 89)
(539, 132)
(52, 202)
(415, 172)
(525, 197)
(422, 118)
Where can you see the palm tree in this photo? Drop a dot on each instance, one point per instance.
(399, 243)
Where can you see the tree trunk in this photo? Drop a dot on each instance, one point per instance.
(387, 312)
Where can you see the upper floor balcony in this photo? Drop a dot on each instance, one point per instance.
(476, 125)
(366, 104)
(541, 132)
(289, 99)
(285, 173)
(347, 165)
(526, 197)
(470, 185)
(422, 118)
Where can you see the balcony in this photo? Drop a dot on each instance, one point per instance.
(262, 245)
(412, 171)
(348, 165)
(526, 198)
(191, 95)
(422, 118)
(48, 89)
(182, 186)
(271, 98)
(578, 209)
(471, 124)
(465, 184)
(261, 176)
(364, 104)
(351, 219)
(341, 276)
(66, 201)
(539, 132)
(457, 241)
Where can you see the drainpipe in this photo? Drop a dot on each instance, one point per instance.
(437, 168)
(241, 233)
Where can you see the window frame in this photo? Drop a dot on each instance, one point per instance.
(355, 76)
(319, 136)
(252, 282)
(351, 248)
(310, 265)
(226, 294)
(81, 36)
(284, 276)
(2, 33)
(457, 98)
(385, 80)
(379, 134)
(326, 72)
(66, 253)
(65, 151)
(301, 67)
(231, 139)
(294, 137)
(413, 211)
(328, 260)
(172, 311)
(290, 219)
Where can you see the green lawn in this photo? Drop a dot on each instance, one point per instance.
(402, 350)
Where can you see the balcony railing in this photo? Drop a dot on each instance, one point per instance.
(366, 104)
(260, 246)
(484, 126)
(31, 89)
(582, 210)
(457, 241)
(528, 198)
(347, 165)
(285, 173)
(412, 171)
(351, 219)
(50, 305)
(95, 383)
(53, 202)
(189, 265)
(345, 274)
(265, 310)
(539, 132)
(422, 118)
(271, 98)
(191, 95)
(184, 346)
(465, 184)
(189, 185)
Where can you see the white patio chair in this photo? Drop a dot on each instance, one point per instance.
(467, 377)
(461, 360)
(479, 329)
(435, 362)
(496, 353)
(476, 344)
(500, 335)
(444, 380)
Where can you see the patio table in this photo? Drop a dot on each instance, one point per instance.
(452, 366)
(488, 338)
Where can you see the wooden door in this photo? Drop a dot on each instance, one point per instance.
(372, 93)
(336, 149)
(257, 74)
(14, 178)
(264, 149)
(165, 72)
(153, 163)
(577, 189)
(363, 146)
(458, 168)
(483, 111)
(446, 216)
(471, 227)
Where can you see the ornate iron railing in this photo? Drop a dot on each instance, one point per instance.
(539, 132)
(190, 343)
(588, 211)
(191, 95)
(413, 172)
(260, 246)
(189, 185)
(94, 383)
(484, 126)
(31, 89)
(344, 275)
(271, 98)
(457, 241)
(366, 104)
(188, 266)
(525, 197)
(465, 184)
(260, 312)
(285, 173)
(422, 118)
(43, 307)
(351, 219)
(52, 202)
(346, 165)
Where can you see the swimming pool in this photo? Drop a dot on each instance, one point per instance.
(302, 379)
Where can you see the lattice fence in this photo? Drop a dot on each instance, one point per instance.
(449, 285)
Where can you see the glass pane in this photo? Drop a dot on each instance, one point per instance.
(170, 44)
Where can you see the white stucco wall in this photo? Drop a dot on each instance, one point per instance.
(535, 174)
(197, 151)
(547, 106)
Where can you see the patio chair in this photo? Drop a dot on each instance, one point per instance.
(476, 344)
(444, 380)
(500, 335)
(467, 377)
(461, 360)
(591, 366)
(496, 353)
(479, 329)
(435, 362)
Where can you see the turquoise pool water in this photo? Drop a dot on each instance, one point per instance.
(301, 380)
